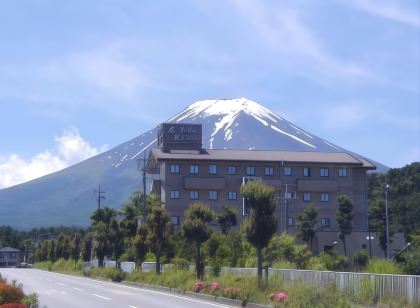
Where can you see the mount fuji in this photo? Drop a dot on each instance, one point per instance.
(67, 197)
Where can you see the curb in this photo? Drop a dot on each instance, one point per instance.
(205, 297)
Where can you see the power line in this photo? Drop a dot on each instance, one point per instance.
(100, 196)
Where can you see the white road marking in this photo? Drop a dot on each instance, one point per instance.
(49, 280)
(61, 284)
(140, 290)
(132, 306)
(100, 296)
(78, 289)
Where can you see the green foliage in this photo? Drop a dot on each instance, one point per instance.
(333, 261)
(31, 300)
(306, 222)
(344, 217)
(113, 274)
(61, 265)
(382, 266)
(158, 224)
(404, 201)
(196, 229)
(260, 225)
(227, 219)
(360, 259)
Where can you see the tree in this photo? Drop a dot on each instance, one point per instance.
(227, 219)
(306, 222)
(101, 242)
(344, 217)
(86, 248)
(261, 224)
(196, 229)
(75, 246)
(140, 244)
(158, 224)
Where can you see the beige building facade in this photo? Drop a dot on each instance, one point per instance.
(186, 175)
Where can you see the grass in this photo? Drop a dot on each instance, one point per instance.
(244, 287)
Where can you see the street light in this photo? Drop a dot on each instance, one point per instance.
(386, 221)
(370, 238)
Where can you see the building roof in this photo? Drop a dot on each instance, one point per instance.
(9, 249)
(262, 156)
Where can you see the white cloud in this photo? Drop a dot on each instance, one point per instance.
(281, 30)
(390, 10)
(345, 115)
(70, 148)
(106, 69)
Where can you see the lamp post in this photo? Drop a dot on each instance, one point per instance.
(370, 238)
(386, 221)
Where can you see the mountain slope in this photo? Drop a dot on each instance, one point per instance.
(67, 197)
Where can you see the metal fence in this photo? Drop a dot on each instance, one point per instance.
(380, 285)
(127, 267)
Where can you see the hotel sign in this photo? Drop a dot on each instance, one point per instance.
(175, 136)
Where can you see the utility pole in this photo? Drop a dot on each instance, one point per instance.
(142, 168)
(100, 196)
(386, 222)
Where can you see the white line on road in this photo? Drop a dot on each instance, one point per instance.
(78, 289)
(49, 280)
(141, 290)
(61, 284)
(132, 306)
(100, 296)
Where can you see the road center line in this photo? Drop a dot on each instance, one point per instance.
(61, 284)
(78, 289)
(132, 306)
(100, 296)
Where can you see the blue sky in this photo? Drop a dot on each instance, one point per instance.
(79, 77)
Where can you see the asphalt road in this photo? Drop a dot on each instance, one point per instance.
(60, 291)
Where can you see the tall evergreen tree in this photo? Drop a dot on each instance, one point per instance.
(158, 223)
(196, 229)
(227, 219)
(261, 224)
(306, 223)
(344, 217)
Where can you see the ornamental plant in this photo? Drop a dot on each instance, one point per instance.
(198, 286)
(10, 294)
(280, 297)
(231, 293)
(214, 287)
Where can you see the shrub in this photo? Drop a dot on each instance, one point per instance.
(181, 264)
(198, 286)
(10, 294)
(14, 305)
(360, 259)
(113, 274)
(232, 293)
(31, 300)
(382, 266)
(214, 287)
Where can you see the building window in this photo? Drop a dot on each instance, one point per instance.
(323, 172)
(288, 195)
(232, 195)
(306, 172)
(193, 169)
(290, 222)
(325, 197)
(342, 172)
(174, 168)
(250, 170)
(325, 222)
(212, 195)
(306, 196)
(232, 170)
(269, 171)
(175, 220)
(287, 171)
(212, 169)
(174, 194)
(193, 195)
